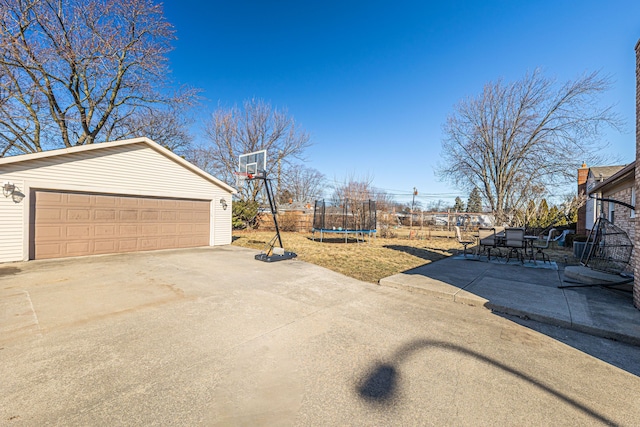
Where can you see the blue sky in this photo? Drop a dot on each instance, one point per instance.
(374, 81)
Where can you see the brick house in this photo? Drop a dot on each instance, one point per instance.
(620, 187)
(588, 179)
(636, 283)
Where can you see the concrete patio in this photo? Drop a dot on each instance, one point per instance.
(526, 292)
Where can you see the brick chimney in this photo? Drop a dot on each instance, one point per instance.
(583, 173)
(636, 267)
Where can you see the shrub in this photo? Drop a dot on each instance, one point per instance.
(244, 214)
(288, 221)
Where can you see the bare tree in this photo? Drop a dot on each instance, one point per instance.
(355, 189)
(518, 139)
(168, 127)
(303, 184)
(384, 201)
(73, 70)
(256, 126)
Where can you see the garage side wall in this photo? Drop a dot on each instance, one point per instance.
(134, 169)
(12, 222)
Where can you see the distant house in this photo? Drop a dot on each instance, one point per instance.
(588, 179)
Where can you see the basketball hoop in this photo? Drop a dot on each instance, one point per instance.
(241, 177)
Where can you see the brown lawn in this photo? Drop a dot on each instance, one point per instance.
(372, 260)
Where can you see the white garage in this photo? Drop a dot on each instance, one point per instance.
(120, 196)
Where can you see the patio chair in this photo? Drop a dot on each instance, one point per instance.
(464, 243)
(539, 249)
(515, 243)
(487, 241)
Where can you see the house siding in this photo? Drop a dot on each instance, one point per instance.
(622, 216)
(132, 169)
(12, 224)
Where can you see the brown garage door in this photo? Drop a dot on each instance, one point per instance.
(74, 224)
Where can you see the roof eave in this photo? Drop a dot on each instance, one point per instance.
(110, 144)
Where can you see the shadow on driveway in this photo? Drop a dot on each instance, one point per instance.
(380, 385)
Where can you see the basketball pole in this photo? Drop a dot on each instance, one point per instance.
(270, 255)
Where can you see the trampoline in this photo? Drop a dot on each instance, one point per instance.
(345, 217)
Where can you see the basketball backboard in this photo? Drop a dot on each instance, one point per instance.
(254, 163)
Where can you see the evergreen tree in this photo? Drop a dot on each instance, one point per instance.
(459, 205)
(556, 217)
(474, 204)
(543, 214)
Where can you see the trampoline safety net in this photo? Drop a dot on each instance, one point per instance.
(345, 215)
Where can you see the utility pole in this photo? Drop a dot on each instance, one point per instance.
(413, 203)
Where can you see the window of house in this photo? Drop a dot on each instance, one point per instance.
(612, 207)
(633, 202)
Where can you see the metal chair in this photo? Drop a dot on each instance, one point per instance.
(487, 241)
(464, 243)
(539, 249)
(515, 243)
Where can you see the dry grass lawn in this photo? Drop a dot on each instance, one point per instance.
(369, 261)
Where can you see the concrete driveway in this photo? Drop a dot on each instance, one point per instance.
(212, 337)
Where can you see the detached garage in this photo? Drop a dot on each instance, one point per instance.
(120, 196)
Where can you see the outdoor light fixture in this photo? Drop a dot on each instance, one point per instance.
(223, 202)
(8, 188)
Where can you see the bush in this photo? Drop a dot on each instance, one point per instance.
(244, 214)
(288, 221)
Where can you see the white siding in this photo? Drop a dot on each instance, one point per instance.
(132, 169)
(590, 217)
(222, 224)
(11, 223)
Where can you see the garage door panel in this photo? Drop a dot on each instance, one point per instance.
(153, 216)
(49, 250)
(185, 242)
(106, 201)
(185, 216)
(149, 244)
(81, 231)
(132, 202)
(168, 204)
(71, 224)
(53, 232)
(105, 214)
(169, 242)
(51, 197)
(74, 199)
(150, 203)
(169, 229)
(200, 216)
(78, 215)
(168, 216)
(77, 248)
(127, 245)
(185, 228)
(50, 215)
(128, 231)
(200, 229)
(105, 246)
(128, 215)
(105, 230)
